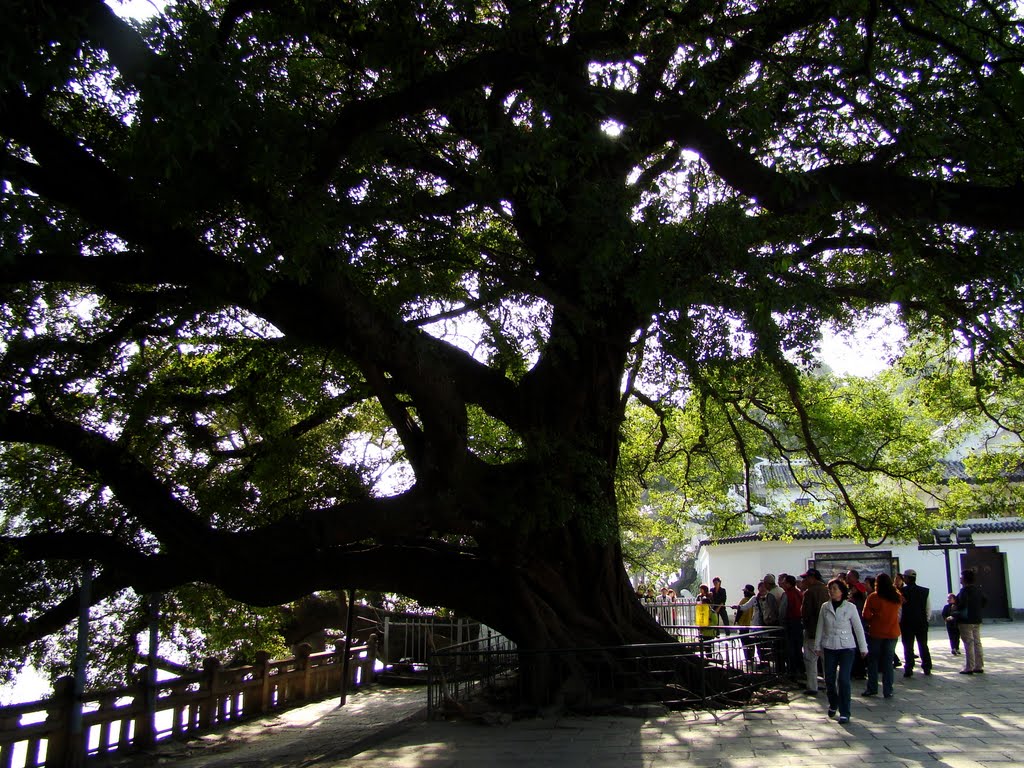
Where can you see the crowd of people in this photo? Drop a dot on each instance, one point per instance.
(848, 629)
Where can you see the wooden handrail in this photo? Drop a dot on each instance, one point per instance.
(118, 719)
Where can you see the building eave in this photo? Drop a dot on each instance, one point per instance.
(1015, 525)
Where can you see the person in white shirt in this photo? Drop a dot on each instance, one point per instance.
(838, 638)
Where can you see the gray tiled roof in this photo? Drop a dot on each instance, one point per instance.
(955, 470)
(757, 536)
(779, 475)
(1014, 525)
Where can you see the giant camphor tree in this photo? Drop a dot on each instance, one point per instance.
(252, 251)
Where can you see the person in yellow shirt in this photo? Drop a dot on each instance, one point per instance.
(744, 614)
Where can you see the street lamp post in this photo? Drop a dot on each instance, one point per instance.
(954, 538)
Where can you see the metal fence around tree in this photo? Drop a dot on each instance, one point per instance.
(706, 668)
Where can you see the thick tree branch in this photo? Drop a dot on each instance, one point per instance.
(337, 314)
(493, 68)
(149, 499)
(894, 193)
(67, 174)
(121, 566)
(128, 51)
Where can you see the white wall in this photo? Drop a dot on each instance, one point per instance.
(746, 562)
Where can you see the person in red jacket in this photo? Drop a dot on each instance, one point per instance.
(859, 592)
(882, 614)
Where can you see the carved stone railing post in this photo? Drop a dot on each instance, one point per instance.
(210, 707)
(302, 654)
(369, 662)
(337, 682)
(8, 724)
(108, 703)
(255, 698)
(144, 705)
(183, 716)
(61, 749)
(262, 669)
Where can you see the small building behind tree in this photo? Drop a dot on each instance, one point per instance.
(991, 540)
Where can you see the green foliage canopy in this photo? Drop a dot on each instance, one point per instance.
(241, 245)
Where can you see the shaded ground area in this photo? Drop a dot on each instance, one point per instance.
(317, 734)
(947, 719)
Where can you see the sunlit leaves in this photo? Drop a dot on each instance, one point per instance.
(199, 622)
(280, 260)
(876, 449)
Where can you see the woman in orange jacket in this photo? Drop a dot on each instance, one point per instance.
(882, 614)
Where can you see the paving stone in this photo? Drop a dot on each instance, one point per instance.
(945, 720)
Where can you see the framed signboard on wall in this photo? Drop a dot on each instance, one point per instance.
(868, 562)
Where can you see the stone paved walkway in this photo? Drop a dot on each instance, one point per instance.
(318, 734)
(947, 719)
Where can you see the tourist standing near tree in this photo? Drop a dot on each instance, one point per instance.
(815, 596)
(710, 630)
(952, 627)
(858, 594)
(766, 614)
(970, 601)
(744, 616)
(666, 607)
(673, 600)
(917, 610)
(718, 601)
(779, 650)
(882, 612)
(773, 587)
(791, 611)
(839, 636)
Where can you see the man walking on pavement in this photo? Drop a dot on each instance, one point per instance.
(917, 611)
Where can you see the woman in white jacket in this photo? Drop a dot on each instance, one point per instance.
(838, 637)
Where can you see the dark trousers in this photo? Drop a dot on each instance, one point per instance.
(838, 663)
(953, 630)
(794, 638)
(749, 646)
(920, 634)
(880, 651)
(860, 664)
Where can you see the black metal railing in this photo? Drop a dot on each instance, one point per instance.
(460, 672)
(710, 667)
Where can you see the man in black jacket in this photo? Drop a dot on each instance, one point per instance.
(914, 619)
(969, 603)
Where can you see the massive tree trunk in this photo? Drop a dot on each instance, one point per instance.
(561, 600)
(573, 592)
